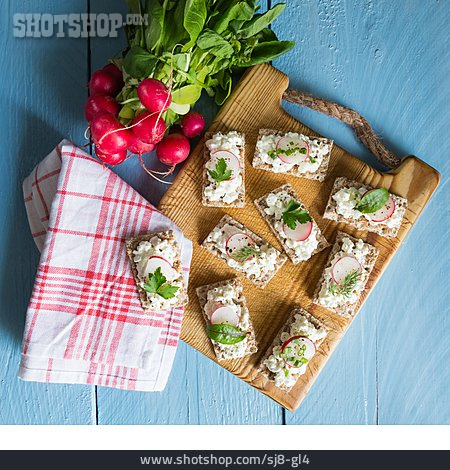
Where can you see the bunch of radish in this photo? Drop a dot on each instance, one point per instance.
(115, 140)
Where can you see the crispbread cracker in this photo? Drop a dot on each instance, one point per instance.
(278, 342)
(362, 223)
(347, 309)
(240, 201)
(210, 246)
(202, 294)
(319, 175)
(133, 243)
(270, 219)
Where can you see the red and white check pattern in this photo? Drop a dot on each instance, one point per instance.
(84, 322)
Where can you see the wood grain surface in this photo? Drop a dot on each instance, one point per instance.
(386, 59)
(255, 104)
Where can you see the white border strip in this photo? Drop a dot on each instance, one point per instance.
(231, 437)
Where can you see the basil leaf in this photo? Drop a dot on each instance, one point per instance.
(215, 43)
(225, 334)
(373, 201)
(265, 52)
(194, 17)
(259, 22)
(139, 63)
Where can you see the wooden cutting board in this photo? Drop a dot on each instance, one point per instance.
(254, 104)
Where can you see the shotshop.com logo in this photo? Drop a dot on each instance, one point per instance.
(73, 25)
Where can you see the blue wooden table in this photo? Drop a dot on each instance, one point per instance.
(388, 59)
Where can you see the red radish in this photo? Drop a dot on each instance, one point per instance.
(296, 344)
(173, 149)
(111, 158)
(100, 103)
(148, 127)
(236, 242)
(343, 267)
(114, 71)
(155, 262)
(231, 160)
(224, 315)
(108, 134)
(138, 147)
(154, 95)
(300, 233)
(288, 144)
(192, 124)
(102, 82)
(385, 212)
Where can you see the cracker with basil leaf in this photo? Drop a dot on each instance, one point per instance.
(229, 341)
(375, 209)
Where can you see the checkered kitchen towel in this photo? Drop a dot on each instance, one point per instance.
(84, 322)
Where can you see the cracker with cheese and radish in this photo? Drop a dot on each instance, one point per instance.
(345, 275)
(157, 270)
(293, 348)
(292, 224)
(224, 170)
(292, 153)
(244, 251)
(366, 208)
(227, 319)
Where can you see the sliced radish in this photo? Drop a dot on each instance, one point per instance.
(231, 160)
(224, 315)
(300, 233)
(155, 262)
(385, 212)
(237, 242)
(343, 267)
(288, 144)
(297, 347)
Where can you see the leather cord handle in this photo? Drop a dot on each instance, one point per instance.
(361, 127)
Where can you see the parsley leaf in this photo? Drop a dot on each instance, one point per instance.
(293, 215)
(156, 284)
(220, 173)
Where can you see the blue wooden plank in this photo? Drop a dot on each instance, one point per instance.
(39, 108)
(388, 61)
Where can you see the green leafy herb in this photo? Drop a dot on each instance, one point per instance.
(346, 288)
(156, 284)
(312, 160)
(245, 253)
(197, 42)
(226, 334)
(221, 173)
(373, 201)
(293, 215)
(272, 154)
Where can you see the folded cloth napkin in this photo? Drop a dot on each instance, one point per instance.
(85, 323)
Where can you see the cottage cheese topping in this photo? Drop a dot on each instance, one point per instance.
(257, 266)
(318, 149)
(277, 203)
(157, 247)
(284, 375)
(228, 296)
(226, 191)
(359, 250)
(347, 199)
